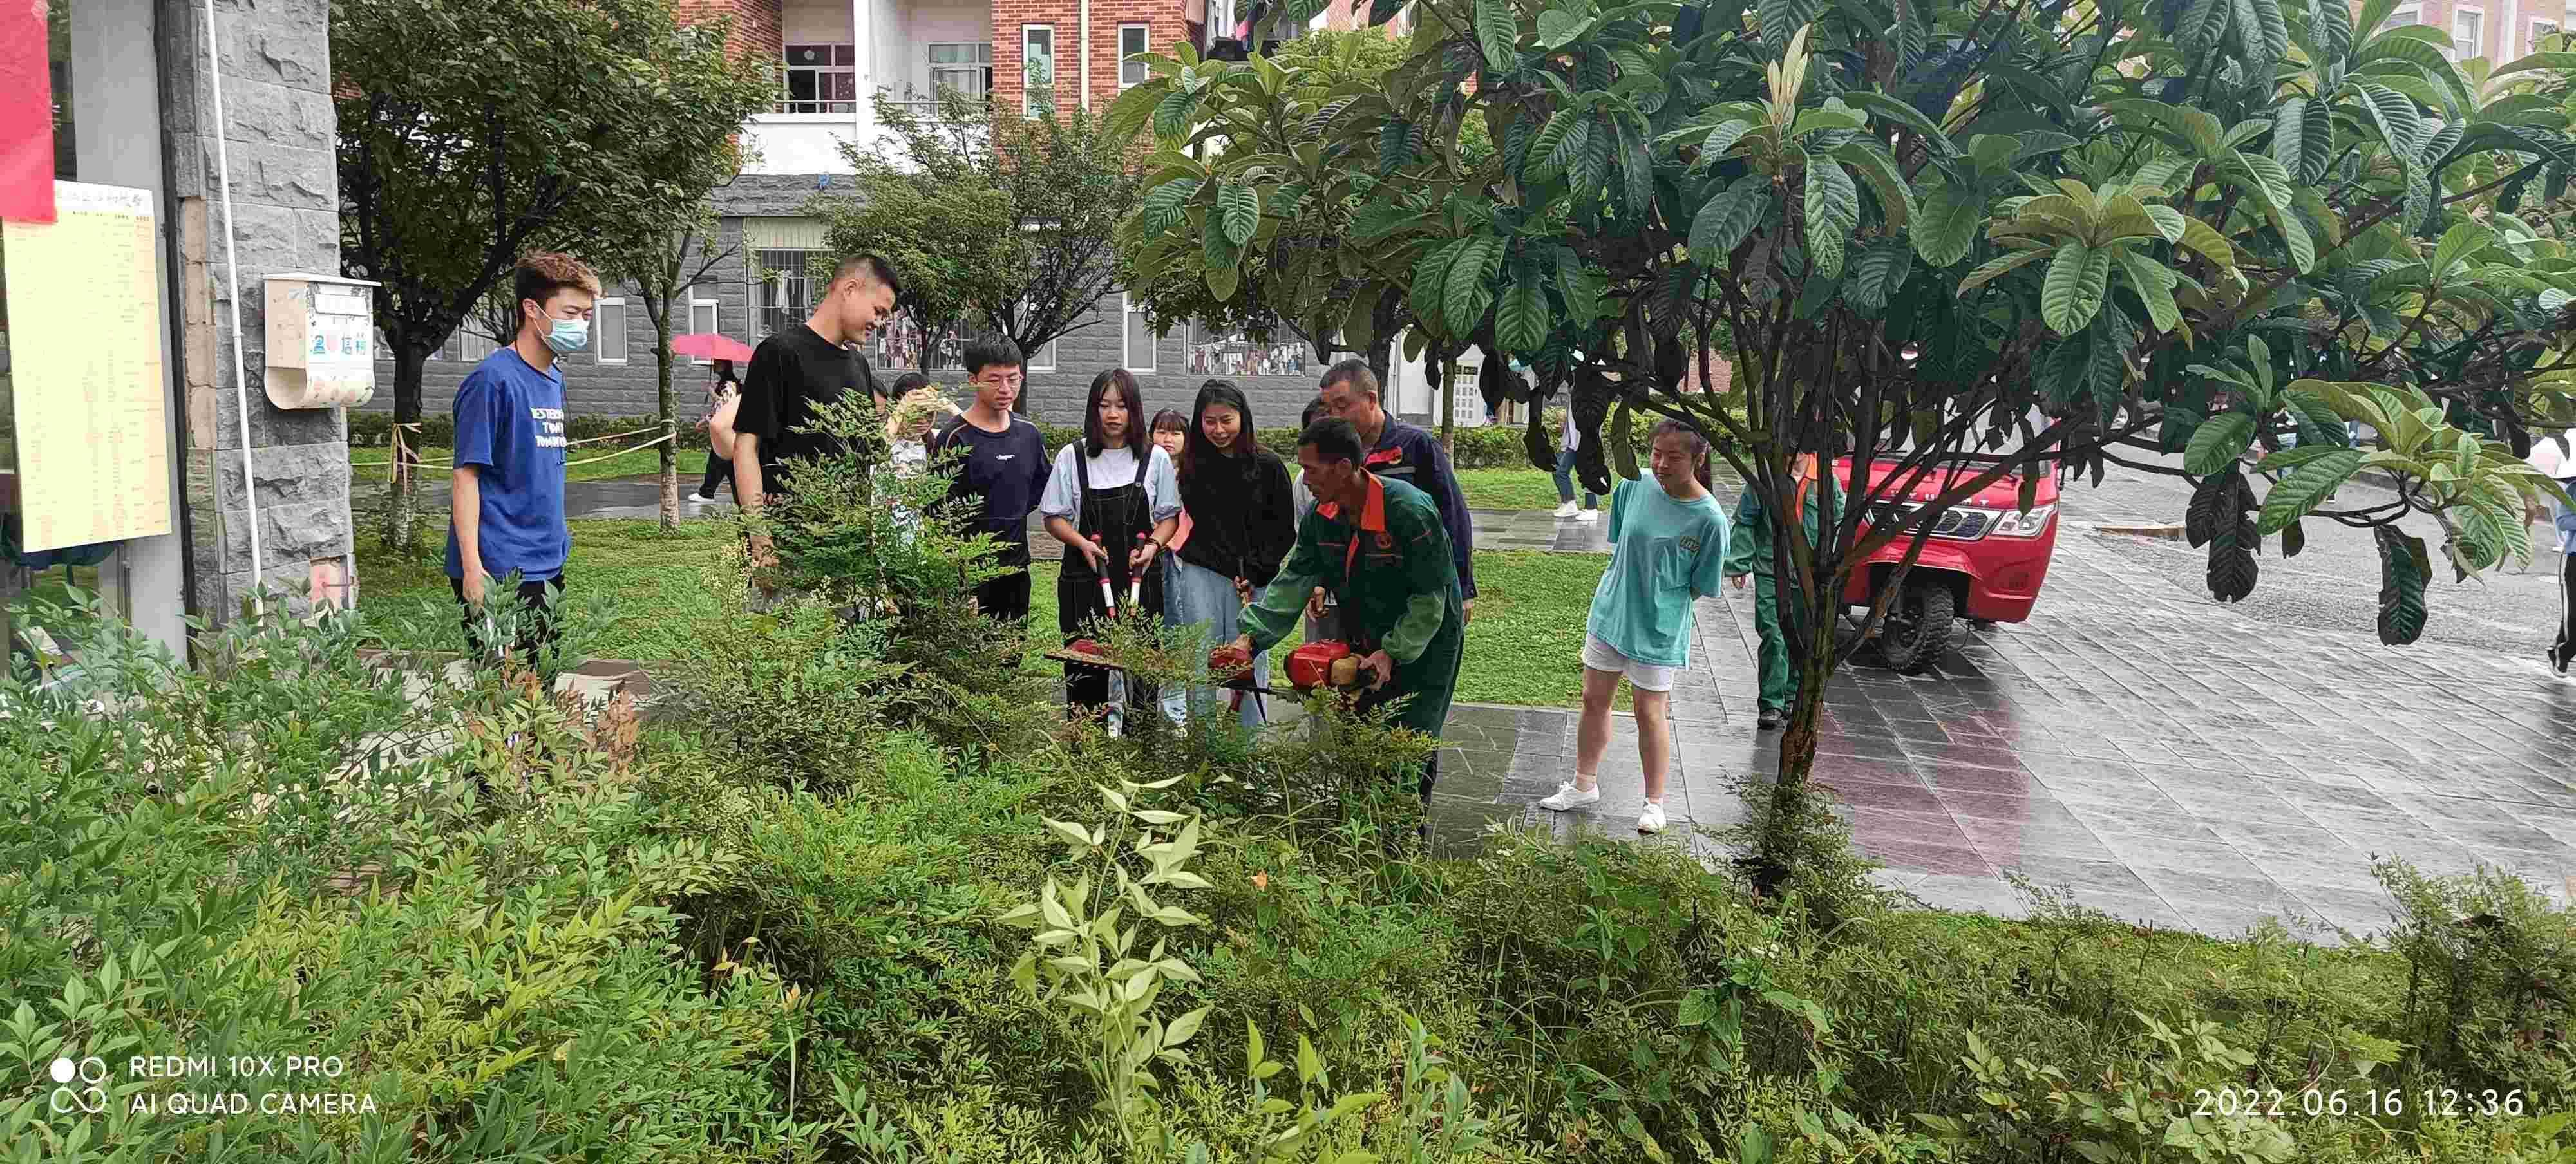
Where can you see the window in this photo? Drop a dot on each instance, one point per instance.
(2468, 34)
(782, 291)
(2407, 15)
(1043, 359)
(1134, 40)
(1138, 355)
(967, 68)
(1037, 69)
(2541, 31)
(473, 343)
(608, 331)
(821, 78)
(1233, 355)
(702, 316)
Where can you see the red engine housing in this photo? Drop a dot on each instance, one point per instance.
(1311, 665)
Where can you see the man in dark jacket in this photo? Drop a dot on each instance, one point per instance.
(1401, 452)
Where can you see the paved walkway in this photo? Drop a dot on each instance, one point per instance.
(2165, 759)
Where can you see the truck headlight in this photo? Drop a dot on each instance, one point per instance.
(2026, 524)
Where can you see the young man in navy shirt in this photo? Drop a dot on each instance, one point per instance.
(507, 520)
(1401, 452)
(1005, 470)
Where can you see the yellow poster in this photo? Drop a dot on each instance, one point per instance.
(92, 407)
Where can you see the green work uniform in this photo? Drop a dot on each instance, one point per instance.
(1749, 552)
(1390, 568)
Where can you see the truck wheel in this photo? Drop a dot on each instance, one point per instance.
(1912, 643)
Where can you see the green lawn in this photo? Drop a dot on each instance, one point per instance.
(1522, 646)
(370, 465)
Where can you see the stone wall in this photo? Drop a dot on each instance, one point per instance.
(279, 129)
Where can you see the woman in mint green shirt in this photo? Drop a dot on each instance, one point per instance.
(1667, 544)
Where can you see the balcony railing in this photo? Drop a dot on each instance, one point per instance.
(925, 107)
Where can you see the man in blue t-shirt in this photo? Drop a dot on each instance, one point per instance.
(507, 519)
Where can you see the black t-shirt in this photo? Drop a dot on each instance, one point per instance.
(791, 374)
(1006, 471)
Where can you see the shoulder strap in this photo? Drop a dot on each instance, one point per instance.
(1082, 483)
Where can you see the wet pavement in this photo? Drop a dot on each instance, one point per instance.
(2163, 758)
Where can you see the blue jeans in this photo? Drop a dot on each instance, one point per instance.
(1199, 595)
(1565, 481)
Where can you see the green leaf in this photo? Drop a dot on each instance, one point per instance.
(2307, 485)
(1520, 320)
(1724, 221)
(1947, 225)
(2072, 293)
(1431, 277)
(1895, 198)
(1622, 441)
(1239, 209)
(1222, 280)
(2462, 240)
(1498, 31)
(2154, 284)
(2213, 246)
(2329, 32)
(2217, 443)
(2268, 33)
(2404, 568)
(1912, 118)
(1722, 139)
(1781, 19)
(1833, 212)
(1997, 268)
(1558, 27)
(1877, 275)
(2232, 571)
(1467, 290)
(1184, 1027)
(1172, 116)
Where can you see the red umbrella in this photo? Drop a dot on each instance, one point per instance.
(707, 345)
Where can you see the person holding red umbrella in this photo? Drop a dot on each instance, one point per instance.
(724, 396)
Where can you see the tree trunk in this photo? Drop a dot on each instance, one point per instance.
(1447, 398)
(670, 427)
(409, 359)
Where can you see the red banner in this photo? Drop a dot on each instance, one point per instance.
(26, 114)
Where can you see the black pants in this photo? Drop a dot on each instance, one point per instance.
(1077, 601)
(1007, 597)
(2563, 650)
(719, 473)
(537, 630)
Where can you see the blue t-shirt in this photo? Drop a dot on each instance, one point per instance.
(1663, 553)
(510, 426)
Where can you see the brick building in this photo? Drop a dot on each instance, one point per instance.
(2499, 30)
(832, 55)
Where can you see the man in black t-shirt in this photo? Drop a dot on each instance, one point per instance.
(1004, 470)
(797, 370)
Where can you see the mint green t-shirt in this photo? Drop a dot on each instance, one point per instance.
(1663, 553)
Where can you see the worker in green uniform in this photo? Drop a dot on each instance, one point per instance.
(1379, 548)
(1750, 554)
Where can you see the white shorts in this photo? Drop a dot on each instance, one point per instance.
(1601, 656)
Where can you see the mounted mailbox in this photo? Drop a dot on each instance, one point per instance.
(321, 341)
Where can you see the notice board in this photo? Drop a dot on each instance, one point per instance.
(92, 405)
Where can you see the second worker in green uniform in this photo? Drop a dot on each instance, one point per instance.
(1379, 548)
(1750, 553)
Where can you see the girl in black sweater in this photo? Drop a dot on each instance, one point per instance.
(1242, 525)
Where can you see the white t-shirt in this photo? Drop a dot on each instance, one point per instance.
(1110, 468)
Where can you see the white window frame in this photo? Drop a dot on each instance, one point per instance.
(823, 74)
(715, 318)
(2477, 44)
(1040, 361)
(980, 53)
(2409, 14)
(1028, 108)
(472, 345)
(1128, 308)
(599, 332)
(1145, 44)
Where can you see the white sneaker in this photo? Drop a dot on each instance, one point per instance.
(1651, 818)
(1588, 515)
(1565, 510)
(1568, 796)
